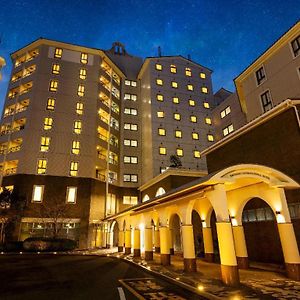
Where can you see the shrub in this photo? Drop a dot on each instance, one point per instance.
(48, 244)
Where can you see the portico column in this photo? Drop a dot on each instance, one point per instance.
(104, 233)
(108, 237)
(121, 241)
(136, 243)
(127, 241)
(98, 237)
(240, 247)
(165, 245)
(208, 244)
(171, 241)
(189, 256)
(290, 250)
(229, 269)
(148, 244)
(156, 240)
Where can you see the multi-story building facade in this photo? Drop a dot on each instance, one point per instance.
(2, 64)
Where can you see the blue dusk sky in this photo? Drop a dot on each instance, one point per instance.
(225, 36)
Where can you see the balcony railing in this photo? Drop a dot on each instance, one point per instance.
(10, 171)
(101, 156)
(14, 149)
(100, 176)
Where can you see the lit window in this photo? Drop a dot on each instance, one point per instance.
(130, 178)
(79, 108)
(127, 82)
(129, 126)
(204, 90)
(37, 193)
(179, 152)
(159, 81)
(202, 75)
(175, 100)
(174, 84)
(190, 87)
(53, 86)
(188, 72)
(193, 119)
(50, 104)
(84, 58)
(296, 46)
(160, 114)
(191, 102)
(73, 168)
(159, 97)
(208, 121)
(178, 133)
(206, 105)
(228, 129)
(132, 200)
(161, 131)
(146, 198)
(75, 147)
(133, 83)
(77, 127)
(45, 142)
(177, 116)
(58, 52)
(71, 194)
(225, 112)
(197, 154)
(48, 122)
(210, 137)
(195, 136)
(80, 90)
(158, 67)
(130, 159)
(131, 143)
(160, 191)
(130, 111)
(266, 101)
(82, 73)
(131, 97)
(55, 69)
(173, 69)
(162, 150)
(42, 166)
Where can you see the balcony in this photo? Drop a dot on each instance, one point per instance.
(27, 57)
(24, 73)
(21, 90)
(10, 171)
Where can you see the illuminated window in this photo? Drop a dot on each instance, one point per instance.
(195, 136)
(206, 105)
(79, 108)
(162, 150)
(48, 122)
(73, 168)
(158, 67)
(191, 102)
(208, 120)
(178, 133)
(160, 114)
(130, 111)
(225, 112)
(77, 127)
(130, 159)
(50, 104)
(190, 87)
(160, 191)
(173, 69)
(41, 166)
(175, 100)
(159, 97)
(130, 178)
(82, 73)
(80, 90)
(179, 152)
(174, 84)
(204, 90)
(71, 194)
(132, 200)
(188, 72)
(202, 75)
(193, 119)
(228, 129)
(129, 126)
(45, 142)
(210, 137)
(55, 69)
(131, 97)
(127, 82)
(75, 147)
(131, 143)
(197, 154)
(146, 198)
(161, 131)
(37, 193)
(133, 83)
(58, 52)
(53, 86)
(159, 81)
(177, 116)
(84, 58)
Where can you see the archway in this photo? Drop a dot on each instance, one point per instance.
(261, 232)
(175, 228)
(198, 234)
(213, 220)
(115, 234)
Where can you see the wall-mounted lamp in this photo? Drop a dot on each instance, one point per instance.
(278, 212)
(233, 221)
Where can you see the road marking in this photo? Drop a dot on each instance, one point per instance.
(121, 293)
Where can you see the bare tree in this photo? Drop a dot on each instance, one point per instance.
(175, 161)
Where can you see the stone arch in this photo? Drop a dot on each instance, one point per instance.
(175, 223)
(160, 191)
(198, 233)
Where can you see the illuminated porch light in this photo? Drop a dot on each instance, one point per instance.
(21, 252)
(233, 221)
(203, 223)
(200, 287)
(279, 217)
(177, 278)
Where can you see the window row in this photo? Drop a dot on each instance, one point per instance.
(130, 126)
(53, 87)
(228, 129)
(131, 97)
(174, 85)
(51, 106)
(130, 82)
(130, 111)
(130, 159)
(56, 71)
(48, 125)
(176, 100)
(177, 133)
(131, 143)
(132, 200)
(130, 178)
(58, 52)
(179, 152)
(177, 117)
(173, 69)
(42, 167)
(225, 112)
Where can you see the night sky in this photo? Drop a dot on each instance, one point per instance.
(225, 36)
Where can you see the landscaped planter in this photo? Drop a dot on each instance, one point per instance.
(48, 244)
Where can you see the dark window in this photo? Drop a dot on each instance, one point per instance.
(296, 45)
(260, 75)
(266, 101)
